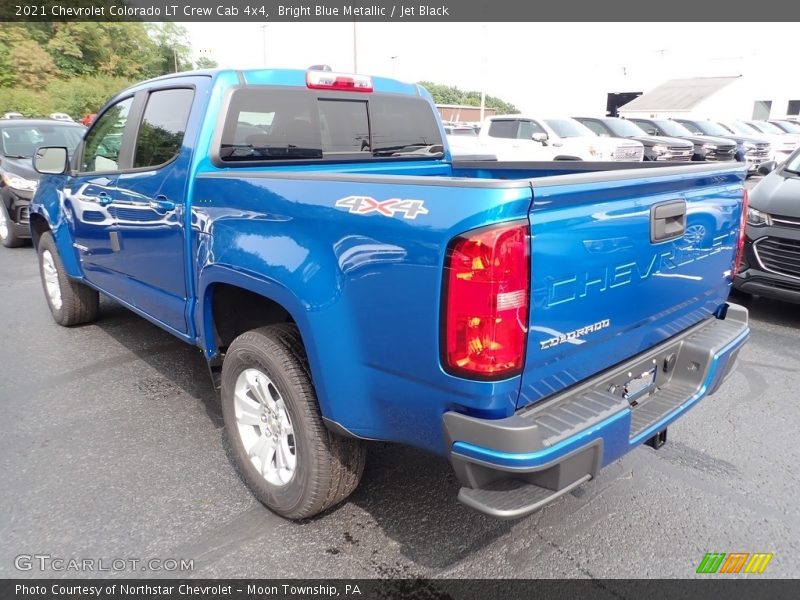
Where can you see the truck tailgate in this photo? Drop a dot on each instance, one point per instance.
(621, 263)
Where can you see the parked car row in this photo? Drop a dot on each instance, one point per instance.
(56, 116)
(528, 138)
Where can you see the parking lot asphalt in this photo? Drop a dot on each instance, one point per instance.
(111, 446)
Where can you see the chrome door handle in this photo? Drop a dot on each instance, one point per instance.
(162, 204)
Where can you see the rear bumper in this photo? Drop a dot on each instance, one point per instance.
(511, 467)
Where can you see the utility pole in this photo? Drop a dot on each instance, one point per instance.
(355, 48)
(393, 59)
(264, 43)
(483, 76)
(175, 56)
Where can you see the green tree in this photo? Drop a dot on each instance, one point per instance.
(446, 94)
(7, 77)
(205, 63)
(32, 66)
(172, 52)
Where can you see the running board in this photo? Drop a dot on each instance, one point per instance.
(513, 498)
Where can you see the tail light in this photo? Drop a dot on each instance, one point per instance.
(345, 82)
(740, 243)
(486, 295)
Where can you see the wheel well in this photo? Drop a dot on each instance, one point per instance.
(38, 227)
(236, 310)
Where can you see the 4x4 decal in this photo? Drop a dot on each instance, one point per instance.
(364, 205)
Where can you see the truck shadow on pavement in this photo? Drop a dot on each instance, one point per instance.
(181, 366)
(410, 494)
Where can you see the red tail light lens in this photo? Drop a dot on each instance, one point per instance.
(485, 312)
(740, 244)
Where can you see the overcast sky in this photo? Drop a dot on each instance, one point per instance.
(548, 68)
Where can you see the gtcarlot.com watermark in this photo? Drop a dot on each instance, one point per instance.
(58, 564)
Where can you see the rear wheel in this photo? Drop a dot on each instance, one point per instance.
(8, 237)
(70, 301)
(290, 461)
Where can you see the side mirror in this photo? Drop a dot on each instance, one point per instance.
(51, 160)
(541, 138)
(767, 167)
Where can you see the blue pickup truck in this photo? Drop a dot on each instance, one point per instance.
(348, 281)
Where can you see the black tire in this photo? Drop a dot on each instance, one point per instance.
(8, 237)
(328, 466)
(79, 303)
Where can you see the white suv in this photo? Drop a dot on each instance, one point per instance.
(523, 138)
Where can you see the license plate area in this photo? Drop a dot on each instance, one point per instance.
(639, 386)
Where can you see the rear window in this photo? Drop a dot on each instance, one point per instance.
(265, 124)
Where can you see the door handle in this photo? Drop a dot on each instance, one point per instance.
(162, 204)
(104, 199)
(667, 220)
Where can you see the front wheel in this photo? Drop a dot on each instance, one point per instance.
(70, 301)
(287, 457)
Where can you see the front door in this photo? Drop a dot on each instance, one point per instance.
(149, 209)
(89, 193)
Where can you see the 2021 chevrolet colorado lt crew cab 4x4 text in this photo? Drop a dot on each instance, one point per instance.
(347, 281)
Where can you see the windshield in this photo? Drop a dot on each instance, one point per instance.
(672, 128)
(767, 127)
(789, 127)
(737, 127)
(20, 141)
(793, 164)
(623, 128)
(711, 128)
(567, 128)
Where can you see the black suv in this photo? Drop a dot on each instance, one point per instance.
(705, 147)
(771, 263)
(655, 147)
(19, 138)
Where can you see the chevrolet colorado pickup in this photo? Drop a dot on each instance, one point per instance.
(346, 280)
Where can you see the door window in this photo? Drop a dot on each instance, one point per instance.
(504, 129)
(104, 140)
(163, 126)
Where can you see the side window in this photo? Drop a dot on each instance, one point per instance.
(649, 128)
(504, 129)
(104, 140)
(528, 128)
(163, 126)
(596, 127)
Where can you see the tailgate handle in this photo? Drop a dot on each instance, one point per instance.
(667, 220)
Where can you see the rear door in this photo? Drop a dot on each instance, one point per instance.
(622, 262)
